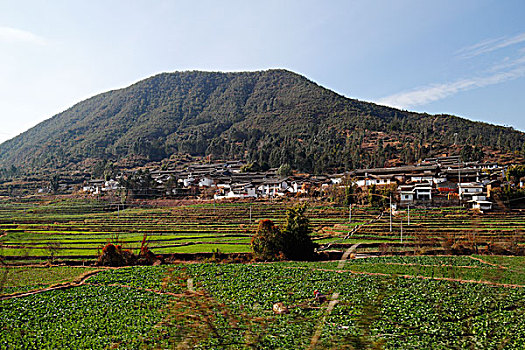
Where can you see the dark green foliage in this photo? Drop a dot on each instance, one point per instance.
(471, 153)
(85, 317)
(114, 310)
(349, 195)
(292, 241)
(104, 169)
(284, 170)
(54, 184)
(267, 241)
(253, 167)
(139, 183)
(512, 197)
(297, 243)
(269, 117)
(343, 193)
(379, 197)
(114, 256)
(516, 173)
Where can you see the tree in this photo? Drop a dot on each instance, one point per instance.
(373, 199)
(515, 173)
(54, 183)
(292, 241)
(98, 169)
(472, 153)
(297, 243)
(251, 167)
(284, 170)
(266, 243)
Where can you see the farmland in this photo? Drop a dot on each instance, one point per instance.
(383, 299)
(145, 307)
(77, 229)
(27, 278)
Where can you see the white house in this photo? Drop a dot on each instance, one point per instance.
(274, 187)
(417, 192)
(422, 178)
(469, 189)
(439, 180)
(336, 179)
(406, 193)
(94, 186)
(206, 182)
(374, 180)
(423, 192)
(111, 185)
(482, 205)
(188, 181)
(237, 191)
(480, 202)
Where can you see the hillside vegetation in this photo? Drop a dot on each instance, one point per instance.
(270, 117)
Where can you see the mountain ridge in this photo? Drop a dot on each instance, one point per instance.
(272, 117)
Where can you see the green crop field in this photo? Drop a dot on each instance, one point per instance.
(409, 301)
(24, 278)
(229, 306)
(78, 229)
(65, 228)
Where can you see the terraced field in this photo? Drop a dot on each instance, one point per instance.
(439, 230)
(78, 228)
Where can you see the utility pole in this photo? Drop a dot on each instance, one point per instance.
(401, 230)
(459, 181)
(350, 213)
(390, 213)
(250, 213)
(409, 214)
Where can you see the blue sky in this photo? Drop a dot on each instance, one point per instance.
(460, 57)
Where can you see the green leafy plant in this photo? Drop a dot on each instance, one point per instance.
(267, 241)
(292, 241)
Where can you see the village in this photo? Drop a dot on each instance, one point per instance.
(434, 182)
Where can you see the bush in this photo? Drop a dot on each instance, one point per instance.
(266, 243)
(114, 256)
(292, 241)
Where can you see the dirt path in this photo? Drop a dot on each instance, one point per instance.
(369, 222)
(495, 284)
(486, 262)
(354, 230)
(156, 291)
(79, 281)
(444, 265)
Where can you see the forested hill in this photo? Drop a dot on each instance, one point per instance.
(269, 117)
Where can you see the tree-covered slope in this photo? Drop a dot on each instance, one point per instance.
(272, 117)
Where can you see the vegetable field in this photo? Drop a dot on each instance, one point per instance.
(24, 278)
(393, 302)
(231, 308)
